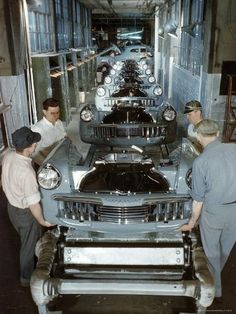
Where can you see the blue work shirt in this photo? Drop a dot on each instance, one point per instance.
(214, 174)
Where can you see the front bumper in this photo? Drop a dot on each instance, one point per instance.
(44, 288)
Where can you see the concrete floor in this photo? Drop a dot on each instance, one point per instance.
(17, 300)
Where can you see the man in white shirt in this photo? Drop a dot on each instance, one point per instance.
(51, 129)
(21, 188)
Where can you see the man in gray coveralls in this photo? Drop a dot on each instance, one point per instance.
(214, 198)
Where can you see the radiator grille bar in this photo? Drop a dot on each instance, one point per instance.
(109, 131)
(163, 211)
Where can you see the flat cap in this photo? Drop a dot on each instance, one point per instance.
(24, 137)
(193, 105)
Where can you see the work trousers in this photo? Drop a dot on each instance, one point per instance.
(30, 231)
(218, 235)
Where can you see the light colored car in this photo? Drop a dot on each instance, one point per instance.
(133, 52)
(119, 210)
(118, 215)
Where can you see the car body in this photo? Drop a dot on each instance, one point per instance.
(130, 115)
(118, 216)
(119, 210)
(132, 52)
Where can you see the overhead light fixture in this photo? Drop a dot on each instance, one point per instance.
(191, 29)
(70, 67)
(171, 28)
(161, 32)
(55, 73)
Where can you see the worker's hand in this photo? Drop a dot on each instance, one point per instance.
(187, 227)
(48, 224)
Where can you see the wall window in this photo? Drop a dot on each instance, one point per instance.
(191, 45)
(63, 24)
(40, 27)
(57, 25)
(77, 37)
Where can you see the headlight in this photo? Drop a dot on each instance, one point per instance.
(169, 114)
(148, 71)
(157, 90)
(151, 79)
(101, 91)
(108, 80)
(145, 66)
(142, 62)
(86, 114)
(49, 177)
(113, 72)
(188, 178)
(115, 66)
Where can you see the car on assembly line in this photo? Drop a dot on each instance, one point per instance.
(119, 210)
(130, 115)
(118, 214)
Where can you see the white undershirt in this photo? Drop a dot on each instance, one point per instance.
(50, 135)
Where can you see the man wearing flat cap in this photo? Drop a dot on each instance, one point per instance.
(193, 110)
(214, 198)
(21, 188)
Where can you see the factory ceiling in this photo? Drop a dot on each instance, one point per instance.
(123, 9)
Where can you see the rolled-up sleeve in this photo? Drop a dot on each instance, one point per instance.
(198, 182)
(31, 191)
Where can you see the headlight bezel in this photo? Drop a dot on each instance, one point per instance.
(113, 72)
(148, 71)
(108, 79)
(167, 112)
(151, 80)
(101, 91)
(85, 111)
(50, 168)
(157, 90)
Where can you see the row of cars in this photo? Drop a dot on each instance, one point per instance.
(119, 210)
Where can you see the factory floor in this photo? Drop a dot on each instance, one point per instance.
(17, 300)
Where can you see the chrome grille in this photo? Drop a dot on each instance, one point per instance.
(107, 131)
(163, 211)
(145, 101)
(124, 215)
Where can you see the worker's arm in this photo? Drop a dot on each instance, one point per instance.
(196, 212)
(36, 211)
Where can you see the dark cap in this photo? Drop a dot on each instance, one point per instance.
(193, 105)
(24, 137)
